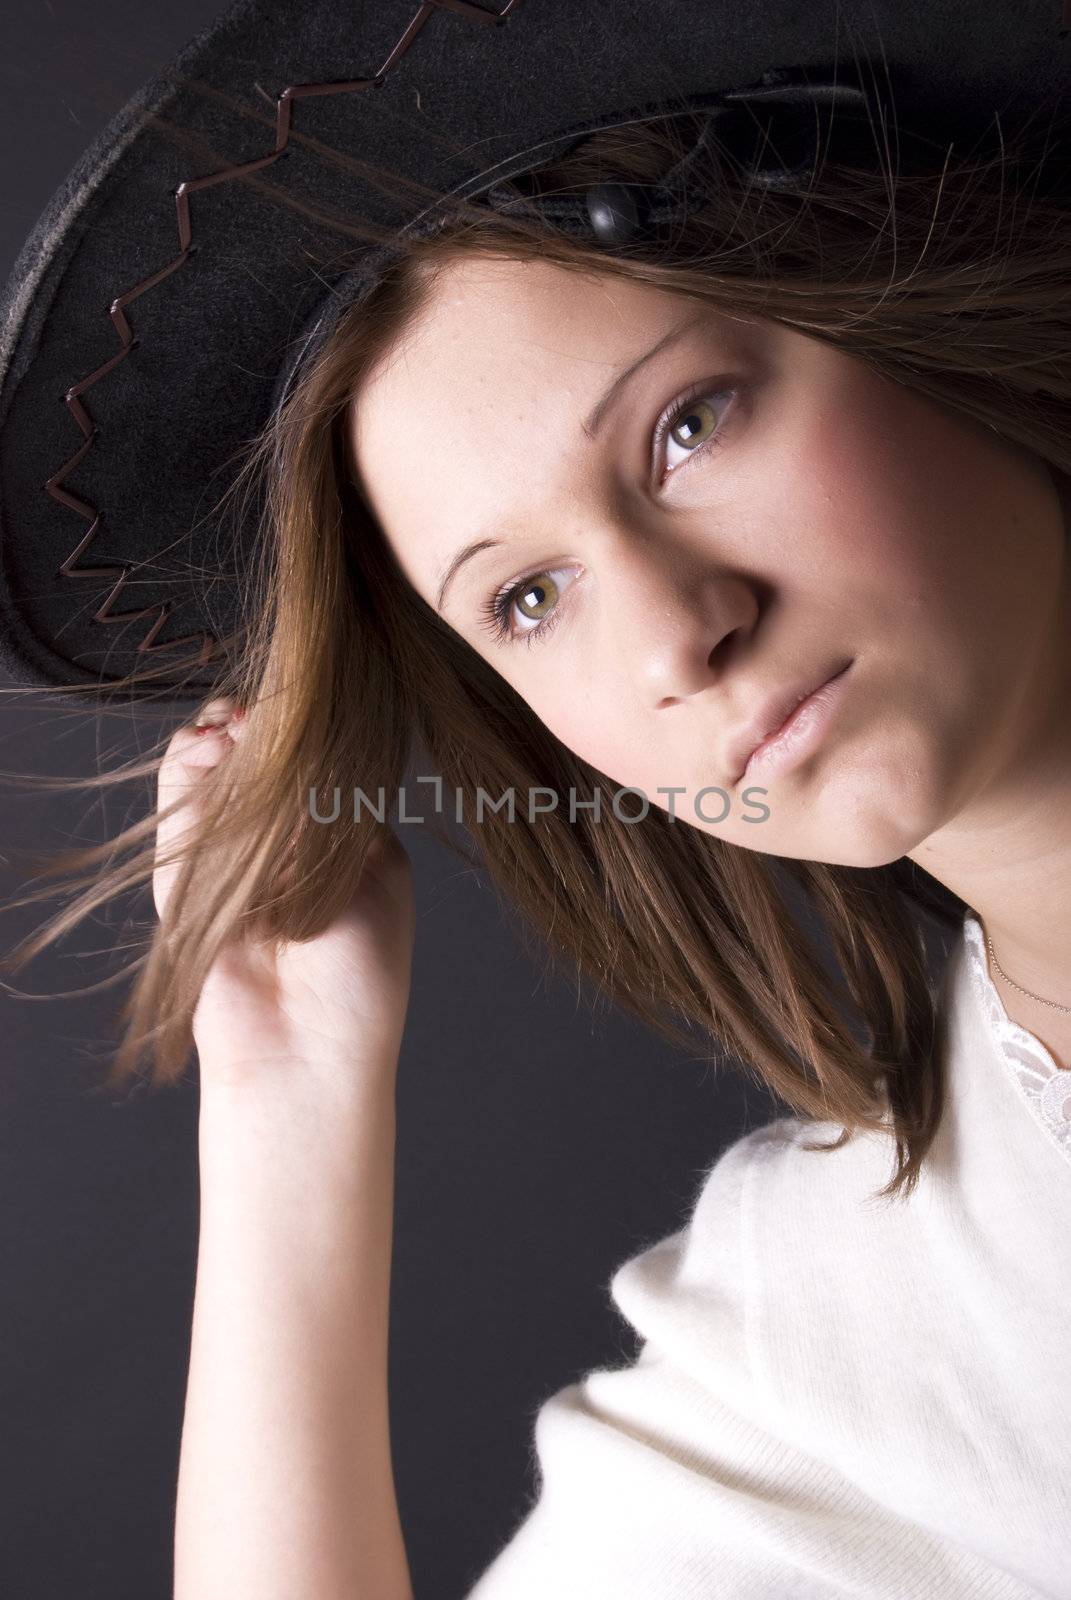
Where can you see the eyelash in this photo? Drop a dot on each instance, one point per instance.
(495, 611)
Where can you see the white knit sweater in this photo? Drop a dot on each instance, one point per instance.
(837, 1395)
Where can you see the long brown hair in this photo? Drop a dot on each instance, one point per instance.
(946, 281)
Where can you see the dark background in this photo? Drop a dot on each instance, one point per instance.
(539, 1144)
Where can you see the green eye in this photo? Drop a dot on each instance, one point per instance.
(697, 422)
(539, 593)
(693, 422)
(537, 598)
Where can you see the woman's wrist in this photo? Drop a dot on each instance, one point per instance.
(330, 1119)
(326, 1073)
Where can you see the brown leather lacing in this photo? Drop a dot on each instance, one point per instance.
(210, 647)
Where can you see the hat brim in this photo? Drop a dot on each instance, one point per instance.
(173, 400)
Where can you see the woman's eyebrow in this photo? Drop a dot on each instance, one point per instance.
(590, 427)
(592, 423)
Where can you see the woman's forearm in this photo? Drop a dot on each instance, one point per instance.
(285, 1487)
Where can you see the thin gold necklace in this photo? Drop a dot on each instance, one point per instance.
(1019, 986)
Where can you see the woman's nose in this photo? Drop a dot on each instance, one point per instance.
(670, 622)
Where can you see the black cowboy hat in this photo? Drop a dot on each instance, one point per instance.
(183, 271)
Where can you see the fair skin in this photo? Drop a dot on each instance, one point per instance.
(839, 516)
(285, 1482)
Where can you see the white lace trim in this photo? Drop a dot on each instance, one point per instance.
(1045, 1086)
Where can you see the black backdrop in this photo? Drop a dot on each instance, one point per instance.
(538, 1145)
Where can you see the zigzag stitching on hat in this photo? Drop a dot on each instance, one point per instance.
(70, 568)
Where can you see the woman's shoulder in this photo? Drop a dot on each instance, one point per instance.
(697, 1468)
(747, 1201)
(708, 1250)
(779, 1231)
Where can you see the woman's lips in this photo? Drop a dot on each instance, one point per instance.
(800, 733)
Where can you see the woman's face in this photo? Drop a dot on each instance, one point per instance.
(801, 512)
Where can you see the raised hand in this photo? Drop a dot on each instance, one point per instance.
(331, 1001)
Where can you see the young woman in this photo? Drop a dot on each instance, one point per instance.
(749, 544)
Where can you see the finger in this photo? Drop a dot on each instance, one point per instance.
(193, 751)
(225, 713)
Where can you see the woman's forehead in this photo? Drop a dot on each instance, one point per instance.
(492, 328)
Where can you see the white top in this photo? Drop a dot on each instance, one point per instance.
(837, 1396)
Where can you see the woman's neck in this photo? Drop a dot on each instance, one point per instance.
(1007, 853)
